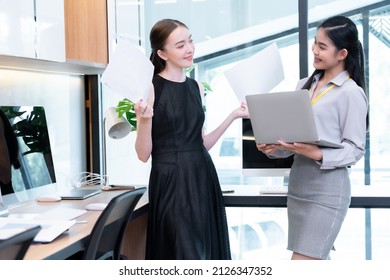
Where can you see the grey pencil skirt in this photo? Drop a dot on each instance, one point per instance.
(317, 203)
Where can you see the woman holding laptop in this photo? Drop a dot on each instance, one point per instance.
(319, 190)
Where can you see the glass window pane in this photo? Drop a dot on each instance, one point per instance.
(258, 233)
(380, 232)
(379, 61)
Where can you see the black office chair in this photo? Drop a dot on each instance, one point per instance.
(15, 247)
(107, 234)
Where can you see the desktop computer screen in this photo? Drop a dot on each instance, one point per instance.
(255, 163)
(35, 156)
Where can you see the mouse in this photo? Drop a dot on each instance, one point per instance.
(49, 198)
(95, 206)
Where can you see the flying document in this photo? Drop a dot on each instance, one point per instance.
(129, 72)
(259, 73)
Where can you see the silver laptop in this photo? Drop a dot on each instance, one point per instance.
(79, 193)
(284, 116)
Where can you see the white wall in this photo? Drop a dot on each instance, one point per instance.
(62, 96)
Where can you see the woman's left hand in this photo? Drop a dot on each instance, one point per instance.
(307, 150)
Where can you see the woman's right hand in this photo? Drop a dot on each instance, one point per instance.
(242, 111)
(267, 149)
(143, 110)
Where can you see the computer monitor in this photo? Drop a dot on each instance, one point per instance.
(255, 163)
(30, 127)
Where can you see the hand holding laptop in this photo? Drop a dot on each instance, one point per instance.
(306, 149)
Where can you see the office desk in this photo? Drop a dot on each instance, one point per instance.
(74, 240)
(133, 247)
(248, 196)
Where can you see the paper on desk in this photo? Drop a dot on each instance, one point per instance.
(259, 73)
(129, 72)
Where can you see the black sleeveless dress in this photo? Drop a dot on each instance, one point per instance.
(187, 217)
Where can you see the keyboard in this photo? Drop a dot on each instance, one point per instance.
(61, 214)
(273, 189)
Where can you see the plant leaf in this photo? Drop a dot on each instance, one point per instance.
(125, 108)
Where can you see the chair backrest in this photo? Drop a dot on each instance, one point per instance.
(15, 247)
(106, 236)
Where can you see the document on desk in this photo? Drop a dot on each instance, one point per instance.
(50, 230)
(257, 74)
(129, 72)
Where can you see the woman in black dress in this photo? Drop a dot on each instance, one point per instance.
(187, 217)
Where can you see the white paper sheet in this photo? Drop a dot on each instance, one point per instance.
(259, 73)
(129, 72)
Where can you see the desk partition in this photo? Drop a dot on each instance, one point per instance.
(248, 196)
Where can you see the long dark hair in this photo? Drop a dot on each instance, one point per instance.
(344, 35)
(12, 142)
(158, 37)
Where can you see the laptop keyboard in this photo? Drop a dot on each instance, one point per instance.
(273, 189)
